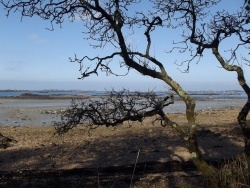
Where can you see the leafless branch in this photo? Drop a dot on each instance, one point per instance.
(114, 109)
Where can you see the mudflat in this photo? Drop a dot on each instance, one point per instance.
(40, 149)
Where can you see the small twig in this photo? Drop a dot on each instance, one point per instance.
(134, 168)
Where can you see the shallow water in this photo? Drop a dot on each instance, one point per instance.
(29, 103)
(18, 112)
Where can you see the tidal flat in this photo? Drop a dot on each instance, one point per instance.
(40, 150)
(46, 111)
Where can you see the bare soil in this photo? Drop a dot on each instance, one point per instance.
(108, 157)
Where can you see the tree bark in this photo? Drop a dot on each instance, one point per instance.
(190, 138)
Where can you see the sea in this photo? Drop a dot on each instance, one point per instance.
(195, 94)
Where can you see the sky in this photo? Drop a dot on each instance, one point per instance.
(35, 58)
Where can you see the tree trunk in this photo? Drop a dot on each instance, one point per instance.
(190, 138)
(202, 166)
(196, 155)
(242, 120)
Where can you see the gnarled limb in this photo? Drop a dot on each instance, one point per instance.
(114, 109)
(209, 31)
(108, 23)
(245, 109)
(119, 107)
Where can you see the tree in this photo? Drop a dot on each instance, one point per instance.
(115, 109)
(108, 23)
(247, 5)
(209, 30)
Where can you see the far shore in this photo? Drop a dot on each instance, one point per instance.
(46, 97)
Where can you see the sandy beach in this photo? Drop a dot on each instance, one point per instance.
(39, 148)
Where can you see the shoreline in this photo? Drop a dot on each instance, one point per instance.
(46, 111)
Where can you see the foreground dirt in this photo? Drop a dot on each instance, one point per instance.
(39, 148)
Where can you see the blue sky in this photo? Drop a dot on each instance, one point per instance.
(32, 57)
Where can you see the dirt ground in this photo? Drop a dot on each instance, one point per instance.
(39, 148)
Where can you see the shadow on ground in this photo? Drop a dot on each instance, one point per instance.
(145, 158)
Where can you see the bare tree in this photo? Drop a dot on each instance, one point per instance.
(247, 5)
(209, 30)
(114, 109)
(110, 23)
